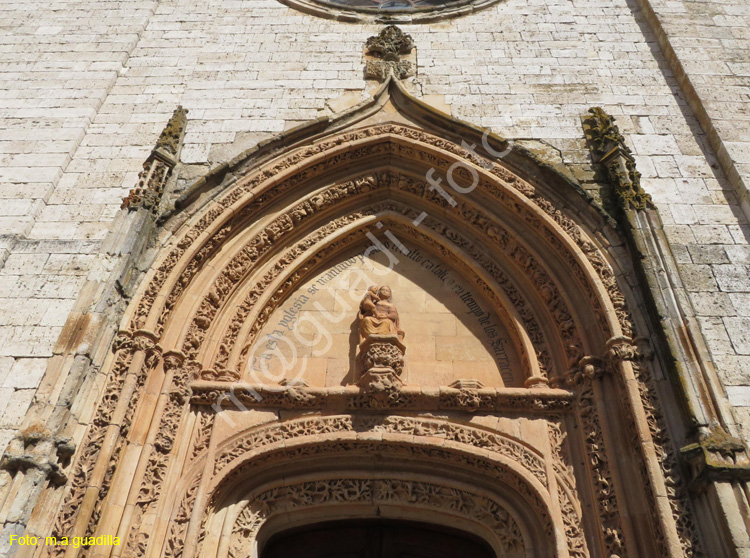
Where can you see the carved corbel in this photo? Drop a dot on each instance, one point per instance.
(608, 149)
(716, 457)
(618, 350)
(588, 368)
(173, 360)
(123, 341)
(147, 342)
(381, 387)
(158, 166)
(35, 448)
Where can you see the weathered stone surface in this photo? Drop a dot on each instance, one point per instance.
(87, 88)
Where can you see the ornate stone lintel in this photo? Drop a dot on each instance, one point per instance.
(717, 457)
(385, 55)
(220, 394)
(608, 148)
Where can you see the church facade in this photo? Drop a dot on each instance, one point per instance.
(362, 278)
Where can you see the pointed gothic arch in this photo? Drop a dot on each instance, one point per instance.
(540, 253)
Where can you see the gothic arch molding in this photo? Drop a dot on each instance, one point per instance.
(591, 287)
(511, 255)
(555, 235)
(293, 449)
(596, 401)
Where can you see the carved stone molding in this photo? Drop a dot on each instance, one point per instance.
(484, 224)
(382, 493)
(566, 489)
(507, 286)
(667, 455)
(600, 471)
(100, 436)
(168, 265)
(373, 13)
(263, 448)
(598, 263)
(255, 440)
(255, 396)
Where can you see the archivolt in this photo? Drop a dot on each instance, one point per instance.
(439, 234)
(490, 461)
(523, 231)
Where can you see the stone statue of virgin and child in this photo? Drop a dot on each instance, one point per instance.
(381, 345)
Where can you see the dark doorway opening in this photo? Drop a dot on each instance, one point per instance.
(375, 539)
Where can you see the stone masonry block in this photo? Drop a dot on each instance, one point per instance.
(739, 333)
(732, 278)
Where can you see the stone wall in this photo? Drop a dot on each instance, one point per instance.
(86, 88)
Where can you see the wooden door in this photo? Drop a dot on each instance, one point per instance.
(375, 539)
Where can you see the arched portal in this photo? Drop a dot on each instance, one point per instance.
(496, 385)
(376, 539)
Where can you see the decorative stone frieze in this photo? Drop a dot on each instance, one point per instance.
(382, 492)
(467, 399)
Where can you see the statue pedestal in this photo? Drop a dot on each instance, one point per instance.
(381, 361)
